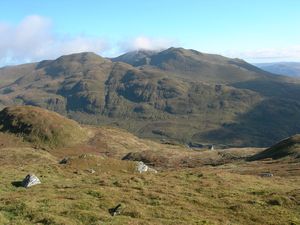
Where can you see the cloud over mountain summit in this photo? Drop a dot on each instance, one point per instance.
(34, 39)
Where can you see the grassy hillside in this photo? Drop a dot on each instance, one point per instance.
(287, 147)
(40, 127)
(186, 190)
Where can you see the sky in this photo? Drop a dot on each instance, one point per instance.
(254, 30)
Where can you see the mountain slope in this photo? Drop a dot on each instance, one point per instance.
(135, 58)
(287, 147)
(191, 64)
(40, 127)
(178, 95)
(190, 187)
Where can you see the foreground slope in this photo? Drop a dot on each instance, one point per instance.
(177, 95)
(186, 190)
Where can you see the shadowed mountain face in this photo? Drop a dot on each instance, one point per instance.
(287, 147)
(177, 95)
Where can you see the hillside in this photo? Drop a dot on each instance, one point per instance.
(40, 127)
(291, 69)
(190, 187)
(287, 147)
(177, 95)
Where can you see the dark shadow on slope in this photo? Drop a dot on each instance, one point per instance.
(270, 121)
(271, 88)
(286, 147)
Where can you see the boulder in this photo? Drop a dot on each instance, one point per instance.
(267, 174)
(142, 167)
(30, 180)
(64, 160)
(115, 211)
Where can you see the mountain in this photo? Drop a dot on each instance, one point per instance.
(194, 65)
(291, 69)
(176, 95)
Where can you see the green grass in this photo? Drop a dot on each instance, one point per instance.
(69, 194)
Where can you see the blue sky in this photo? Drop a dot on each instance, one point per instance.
(256, 30)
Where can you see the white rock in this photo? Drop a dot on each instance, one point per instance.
(266, 174)
(30, 180)
(91, 171)
(152, 170)
(142, 167)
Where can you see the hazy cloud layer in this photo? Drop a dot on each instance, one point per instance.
(146, 43)
(291, 53)
(33, 39)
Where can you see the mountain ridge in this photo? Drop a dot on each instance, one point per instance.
(291, 69)
(176, 94)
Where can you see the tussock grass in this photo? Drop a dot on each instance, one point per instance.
(218, 188)
(70, 194)
(41, 127)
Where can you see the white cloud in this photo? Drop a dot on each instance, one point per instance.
(291, 53)
(33, 39)
(146, 43)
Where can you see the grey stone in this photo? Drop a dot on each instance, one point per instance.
(83, 156)
(142, 167)
(30, 180)
(266, 174)
(64, 160)
(115, 211)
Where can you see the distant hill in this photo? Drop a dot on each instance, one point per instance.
(195, 65)
(284, 68)
(287, 147)
(176, 95)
